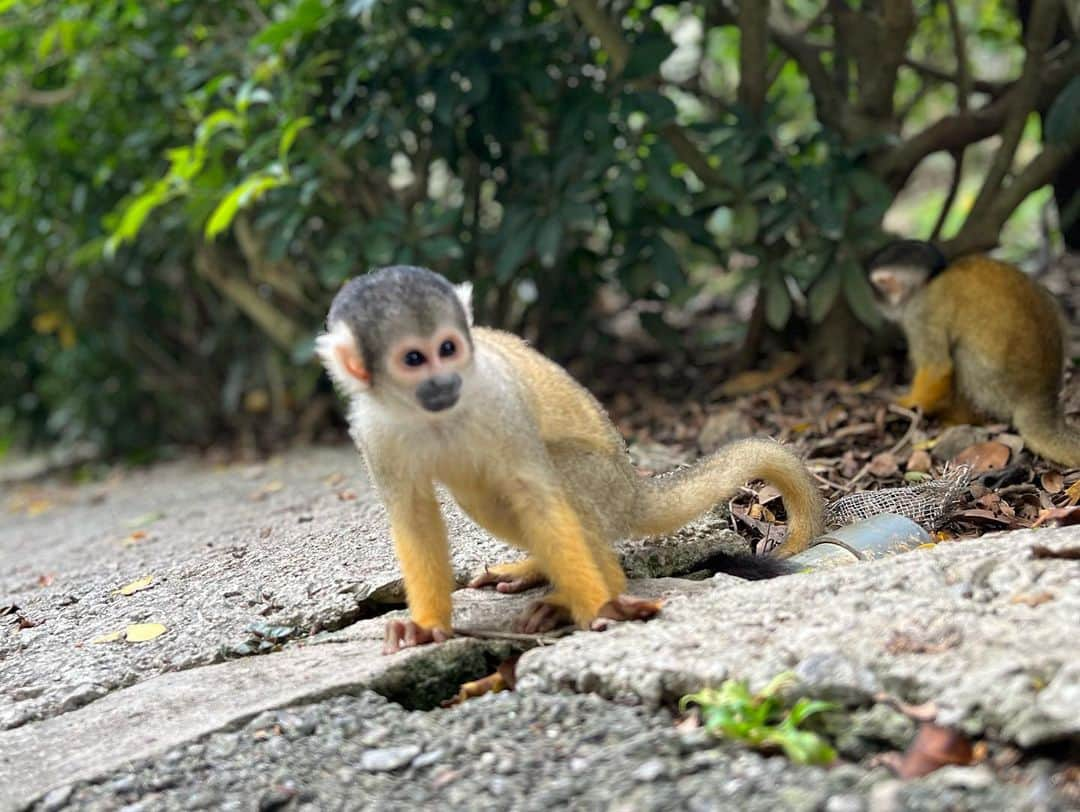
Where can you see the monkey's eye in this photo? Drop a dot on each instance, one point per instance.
(447, 348)
(414, 358)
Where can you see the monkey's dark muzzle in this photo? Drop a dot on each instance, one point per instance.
(439, 392)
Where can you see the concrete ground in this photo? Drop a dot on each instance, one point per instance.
(264, 590)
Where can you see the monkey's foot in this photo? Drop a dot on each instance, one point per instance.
(508, 578)
(625, 607)
(545, 616)
(405, 634)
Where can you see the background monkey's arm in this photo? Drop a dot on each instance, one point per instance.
(931, 356)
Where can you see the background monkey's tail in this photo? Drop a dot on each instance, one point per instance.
(671, 500)
(1043, 427)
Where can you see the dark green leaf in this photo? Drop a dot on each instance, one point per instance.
(1063, 119)
(646, 55)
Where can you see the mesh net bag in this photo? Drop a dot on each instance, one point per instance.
(928, 504)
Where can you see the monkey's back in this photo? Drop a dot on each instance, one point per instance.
(565, 411)
(1005, 332)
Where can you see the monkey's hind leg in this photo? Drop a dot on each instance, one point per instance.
(960, 412)
(555, 610)
(931, 389)
(517, 576)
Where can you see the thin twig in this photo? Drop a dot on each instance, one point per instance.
(900, 410)
(516, 637)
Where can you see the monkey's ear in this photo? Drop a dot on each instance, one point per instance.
(464, 294)
(340, 354)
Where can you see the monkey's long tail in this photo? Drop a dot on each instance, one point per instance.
(1045, 431)
(671, 500)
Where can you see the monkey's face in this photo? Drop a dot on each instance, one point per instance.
(430, 369)
(398, 339)
(894, 285)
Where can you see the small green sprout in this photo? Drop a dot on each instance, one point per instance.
(761, 720)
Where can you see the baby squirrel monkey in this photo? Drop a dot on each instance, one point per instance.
(983, 337)
(525, 451)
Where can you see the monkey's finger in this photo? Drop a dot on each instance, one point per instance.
(392, 638)
(514, 585)
(486, 578)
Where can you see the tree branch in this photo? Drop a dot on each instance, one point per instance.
(611, 38)
(978, 85)
(601, 26)
(753, 55)
(830, 105)
(981, 233)
(961, 129)
(282, 330)
(1043, 25)
(963, 67)
(950, 196)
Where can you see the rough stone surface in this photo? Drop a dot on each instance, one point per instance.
(520, 751)
(287, 548)
(982, 629)
(292, 558)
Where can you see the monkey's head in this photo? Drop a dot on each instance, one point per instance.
(401, 335)
(901, 269)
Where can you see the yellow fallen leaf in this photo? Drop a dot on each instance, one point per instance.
(111, 637)
(141, 632)
(1073, 492)
(134, 538)
(137, 585)
(867, 386)
(38, 506)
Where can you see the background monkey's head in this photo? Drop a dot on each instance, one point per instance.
(401, 334)
(899, 270)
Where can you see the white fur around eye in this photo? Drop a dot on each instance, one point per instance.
(464, 294)
(329, 347)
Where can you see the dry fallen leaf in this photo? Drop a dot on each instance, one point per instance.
(883, 465)
(982, 457)
(1074, 492)
(919, 461)
(933, 748)
(135, 633)
(755, 380)
(1052, 481)
(134, 538)
(142, 632)
(270, 487)
(1032, 598)
(137, 585)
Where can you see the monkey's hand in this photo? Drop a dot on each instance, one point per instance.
(514, 577)
(405, 634)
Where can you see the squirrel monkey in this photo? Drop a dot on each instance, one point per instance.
(983, 337)
(525, 451)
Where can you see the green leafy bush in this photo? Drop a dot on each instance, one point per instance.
(184, 186)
